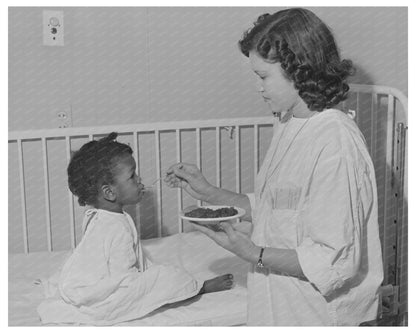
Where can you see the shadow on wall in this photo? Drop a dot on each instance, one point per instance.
(361, 76)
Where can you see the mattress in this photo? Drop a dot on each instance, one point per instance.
(192, 251)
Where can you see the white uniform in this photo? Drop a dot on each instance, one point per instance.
(106, 281)
(316, 193)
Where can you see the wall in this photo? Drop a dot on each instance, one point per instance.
(127, 65)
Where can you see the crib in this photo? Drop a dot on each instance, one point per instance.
(46, 225)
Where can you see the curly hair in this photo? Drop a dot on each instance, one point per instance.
(93, 165)
(306, 50)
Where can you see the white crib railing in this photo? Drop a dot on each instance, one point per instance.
(69, 133)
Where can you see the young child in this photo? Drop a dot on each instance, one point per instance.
(108, 279)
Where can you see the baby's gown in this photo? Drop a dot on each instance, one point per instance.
(108, 279)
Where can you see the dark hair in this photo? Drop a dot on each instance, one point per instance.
(306, 50)
(93, 165)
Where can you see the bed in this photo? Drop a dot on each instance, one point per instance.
(193, 251)
(46, 225)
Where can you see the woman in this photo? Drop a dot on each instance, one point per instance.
(314, 243)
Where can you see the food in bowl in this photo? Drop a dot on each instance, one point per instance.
(207, 213)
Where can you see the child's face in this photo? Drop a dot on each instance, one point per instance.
(127, 184)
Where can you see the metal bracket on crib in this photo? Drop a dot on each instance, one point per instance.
(352, 114)
(389, 298)
(229, 129)
(388, 314)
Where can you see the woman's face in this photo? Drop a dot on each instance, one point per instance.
(277, 91)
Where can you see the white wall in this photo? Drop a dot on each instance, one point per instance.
(124, 65)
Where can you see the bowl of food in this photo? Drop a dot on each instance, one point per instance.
(211, 215)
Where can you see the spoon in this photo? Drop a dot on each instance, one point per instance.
(150, 187)
(156, 181)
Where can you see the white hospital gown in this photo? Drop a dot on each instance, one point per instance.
(106, 280)
(320, 199)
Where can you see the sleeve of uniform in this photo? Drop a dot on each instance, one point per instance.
(252, 199)
(330, 251)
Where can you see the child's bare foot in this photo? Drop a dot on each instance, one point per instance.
(219, 283)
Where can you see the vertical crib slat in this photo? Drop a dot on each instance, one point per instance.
(136, 157)
(357, 113)
(256, 150)
(237, 160)
(374, 111)
(159, 185)
(390, 139)
(389, 175)
(402, 209)
(136, 152)
(23, 196)
(198, 152)
(218, 154)
(70, 198)
(47, 194)
(400, 170)
(179, 189)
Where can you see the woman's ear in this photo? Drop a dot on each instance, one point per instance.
(108, 193)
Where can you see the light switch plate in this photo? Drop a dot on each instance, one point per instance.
(53, 27)
(63, 117)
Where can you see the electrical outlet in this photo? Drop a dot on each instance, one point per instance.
(64, 117)
(53, 27)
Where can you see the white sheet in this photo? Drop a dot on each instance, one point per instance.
(199, 255)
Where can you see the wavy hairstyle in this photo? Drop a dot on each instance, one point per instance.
(93, 166)
(306, 50)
